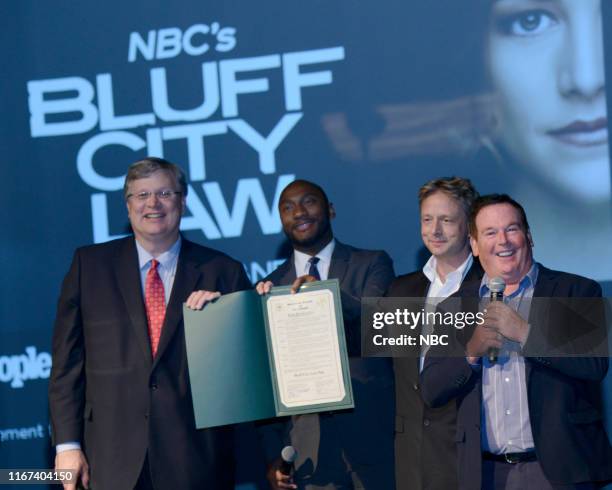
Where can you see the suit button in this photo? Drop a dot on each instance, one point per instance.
(415, 387)
(154, 386)
(146, 415)
(426, 422)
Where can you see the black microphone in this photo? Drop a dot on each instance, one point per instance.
(288, 456)
(496, 288)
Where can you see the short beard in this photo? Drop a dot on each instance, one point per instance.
(308, 242)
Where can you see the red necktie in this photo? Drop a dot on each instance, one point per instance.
(155, 303)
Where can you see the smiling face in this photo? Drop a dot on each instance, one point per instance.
(155, 221)
(545, 63)
(501, 243)
(444, 227)
(305, 215)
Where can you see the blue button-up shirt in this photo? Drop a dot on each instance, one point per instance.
(506, 427)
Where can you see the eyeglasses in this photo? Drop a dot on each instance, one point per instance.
(164, 195)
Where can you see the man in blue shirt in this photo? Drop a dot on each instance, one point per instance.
(524, 421)
(119, 394)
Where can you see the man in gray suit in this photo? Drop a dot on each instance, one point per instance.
(351, 449)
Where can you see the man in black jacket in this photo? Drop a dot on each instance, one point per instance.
(119, 395)
(525, 420)
(352, 448)
(425, 455)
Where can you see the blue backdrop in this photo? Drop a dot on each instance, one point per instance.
(368, 100)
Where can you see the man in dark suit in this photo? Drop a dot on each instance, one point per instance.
(119, 393)
(525, 420)
(425, 455)
(347, 449)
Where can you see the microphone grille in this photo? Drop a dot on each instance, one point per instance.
(497, 285)
(289, 454)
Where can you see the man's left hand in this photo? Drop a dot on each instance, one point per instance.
(198, 299)
(264, 287)
(506, 321)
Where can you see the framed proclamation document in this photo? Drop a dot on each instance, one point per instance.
(253, 357)
(307, 349)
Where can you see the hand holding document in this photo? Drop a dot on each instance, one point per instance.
(253, 357)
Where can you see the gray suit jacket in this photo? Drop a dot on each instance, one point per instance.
(363, 436)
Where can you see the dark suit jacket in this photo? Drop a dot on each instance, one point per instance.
(564, 398)
(108, 393)
(365, 433)
(425, 455)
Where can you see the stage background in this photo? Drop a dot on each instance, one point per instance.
(369, 100)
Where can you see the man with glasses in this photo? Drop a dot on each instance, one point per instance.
(119, 394)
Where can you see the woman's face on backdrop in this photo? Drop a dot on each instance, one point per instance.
(545, 60)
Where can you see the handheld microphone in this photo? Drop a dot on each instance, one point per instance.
(496, 287)
(288, 456)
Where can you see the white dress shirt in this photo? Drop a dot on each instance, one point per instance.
(302, 266)
(440, 290)
(443, 289)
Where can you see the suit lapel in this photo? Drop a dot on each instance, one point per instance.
(128, 280)
(546, 283)
(469, 292)
(538, 313)
(422, 286)
(339, 262)
(418, 289)
(469, 289)
(185, 281)
(286, 272)
(475, 273)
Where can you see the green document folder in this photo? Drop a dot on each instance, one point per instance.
(232, 366)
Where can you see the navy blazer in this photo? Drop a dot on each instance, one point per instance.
(564, 398)
(365, 433)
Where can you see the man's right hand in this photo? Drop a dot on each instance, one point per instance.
(73, 460)
(483, 339)
(276, 479)
(264, 287)
(297, 284)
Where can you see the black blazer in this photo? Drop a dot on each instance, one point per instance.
(365, 433)
(108, 393)
(425, 454)
(564, 398)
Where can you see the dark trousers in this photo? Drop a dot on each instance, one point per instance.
(497, 475)
(144, 480)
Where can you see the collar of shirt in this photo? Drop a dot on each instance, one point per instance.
(166, 259)
(453, 279)
(528, 281)
(300, 260)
